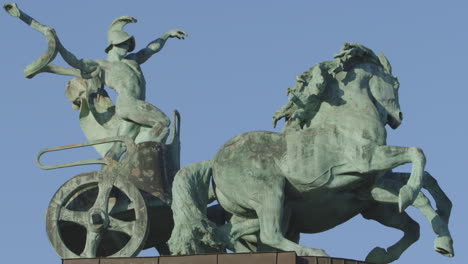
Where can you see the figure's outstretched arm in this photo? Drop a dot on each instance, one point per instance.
(155, 46)
(86, 66)
(52, 68)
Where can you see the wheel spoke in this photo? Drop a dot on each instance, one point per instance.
(78, 217)
(117, 206)
(93, 239)
(89, 200)
(105, 187)
(120, 226)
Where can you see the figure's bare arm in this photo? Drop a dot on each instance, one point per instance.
(155, 46)
(52, 68)
(86, 66)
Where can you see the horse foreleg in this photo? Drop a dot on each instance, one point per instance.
(388, 215)
(443, 203)
(268, 204)
(385, 158)
(438, 219)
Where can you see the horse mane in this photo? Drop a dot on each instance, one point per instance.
(354, 53)
(305, 96)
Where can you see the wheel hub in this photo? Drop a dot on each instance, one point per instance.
(98, 219)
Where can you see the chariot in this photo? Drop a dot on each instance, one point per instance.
(120, 209)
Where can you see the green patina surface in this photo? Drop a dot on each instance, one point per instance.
(106, 213)
(329, 164)
(99, 117)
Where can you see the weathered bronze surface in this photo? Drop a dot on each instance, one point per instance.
(124, 207)
(330, 163)
(116, 211)
(130, 116)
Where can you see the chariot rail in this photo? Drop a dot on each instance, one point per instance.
(106, 161)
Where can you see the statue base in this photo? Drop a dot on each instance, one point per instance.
(233, 258)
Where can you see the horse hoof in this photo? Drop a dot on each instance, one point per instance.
(406, 197)
(444, 246)
(379, 255)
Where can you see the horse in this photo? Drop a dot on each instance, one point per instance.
(329, 164)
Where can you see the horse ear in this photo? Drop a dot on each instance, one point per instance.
(385, 63)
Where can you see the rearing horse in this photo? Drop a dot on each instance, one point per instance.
(329, 164)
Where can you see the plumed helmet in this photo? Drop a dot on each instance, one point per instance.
(116, 35)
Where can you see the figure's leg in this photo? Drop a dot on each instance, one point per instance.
(385, 158)
(135, 114)
(268, 205)
(388, 215)
(143, 114)
(125, 128)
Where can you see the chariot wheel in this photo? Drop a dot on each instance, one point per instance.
(97, 215)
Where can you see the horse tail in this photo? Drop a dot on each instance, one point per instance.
(193, 232)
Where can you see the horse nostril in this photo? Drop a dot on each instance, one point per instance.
(400, 116)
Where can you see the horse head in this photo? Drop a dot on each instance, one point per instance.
(383, 86)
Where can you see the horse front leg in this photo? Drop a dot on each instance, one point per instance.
(385, 191)
(443, 203)
(385, 158)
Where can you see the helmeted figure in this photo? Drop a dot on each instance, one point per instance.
(121, 72)
(116, 35)
(135, 187)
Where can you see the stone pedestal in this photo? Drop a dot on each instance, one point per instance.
(235, 258)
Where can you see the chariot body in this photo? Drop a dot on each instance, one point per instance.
(120, 209)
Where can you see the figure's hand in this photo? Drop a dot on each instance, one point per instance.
(93, 72)
(177, 33)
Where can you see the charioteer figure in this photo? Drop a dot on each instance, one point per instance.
(135, 186)
(120, 71)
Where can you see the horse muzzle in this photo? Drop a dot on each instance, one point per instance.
(394, 121)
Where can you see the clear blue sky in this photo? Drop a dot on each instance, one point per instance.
(228, 77)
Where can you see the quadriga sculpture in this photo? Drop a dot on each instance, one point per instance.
(329, 164)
